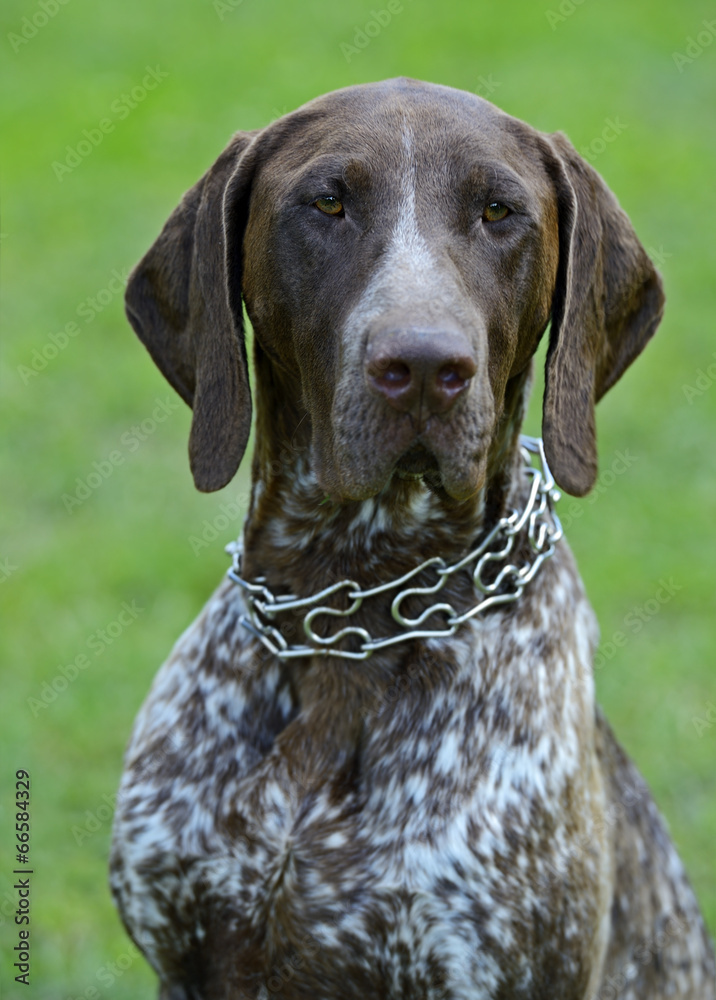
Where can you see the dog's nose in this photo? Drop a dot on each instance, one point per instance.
(420, 371)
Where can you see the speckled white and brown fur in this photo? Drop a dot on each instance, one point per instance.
(448, 819)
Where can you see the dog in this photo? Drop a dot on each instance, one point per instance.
(374, 766)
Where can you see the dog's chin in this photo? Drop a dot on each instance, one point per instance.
(457, 477)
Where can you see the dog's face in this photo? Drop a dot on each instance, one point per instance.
(400, 248)
(403, 265)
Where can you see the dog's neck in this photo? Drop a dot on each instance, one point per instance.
(301, 541)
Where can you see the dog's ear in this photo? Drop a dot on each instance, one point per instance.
(183, 300)
(607, 303)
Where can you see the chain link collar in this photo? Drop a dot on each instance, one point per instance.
(543, 531)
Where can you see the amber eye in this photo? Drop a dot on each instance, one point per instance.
(329, 206)
(495, 211)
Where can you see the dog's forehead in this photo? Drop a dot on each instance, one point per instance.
(385, 123)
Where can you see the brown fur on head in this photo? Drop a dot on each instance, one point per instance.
(410, 259)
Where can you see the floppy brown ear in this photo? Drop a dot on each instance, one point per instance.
(177, 300)
(607, 303)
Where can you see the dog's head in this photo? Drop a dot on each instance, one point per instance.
(400, 248)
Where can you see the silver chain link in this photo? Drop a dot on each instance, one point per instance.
(543, 532)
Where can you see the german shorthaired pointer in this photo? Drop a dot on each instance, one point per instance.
(449, 816)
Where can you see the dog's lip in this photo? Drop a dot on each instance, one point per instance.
(454, 469)
(458, 479)
(416, 461)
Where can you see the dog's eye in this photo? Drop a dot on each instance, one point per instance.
(495, 211)
(329, 206)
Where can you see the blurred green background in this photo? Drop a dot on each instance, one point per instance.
(77, 388)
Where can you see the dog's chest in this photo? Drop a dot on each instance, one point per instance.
(417, 864)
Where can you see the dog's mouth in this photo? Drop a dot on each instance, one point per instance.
(450, 458)
(457, 477)
(416, 462)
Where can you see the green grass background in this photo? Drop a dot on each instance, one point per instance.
(69, 573)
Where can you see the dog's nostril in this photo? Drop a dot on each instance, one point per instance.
(450, 378)
(420, 371)
(395, 373)
(456, 372)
